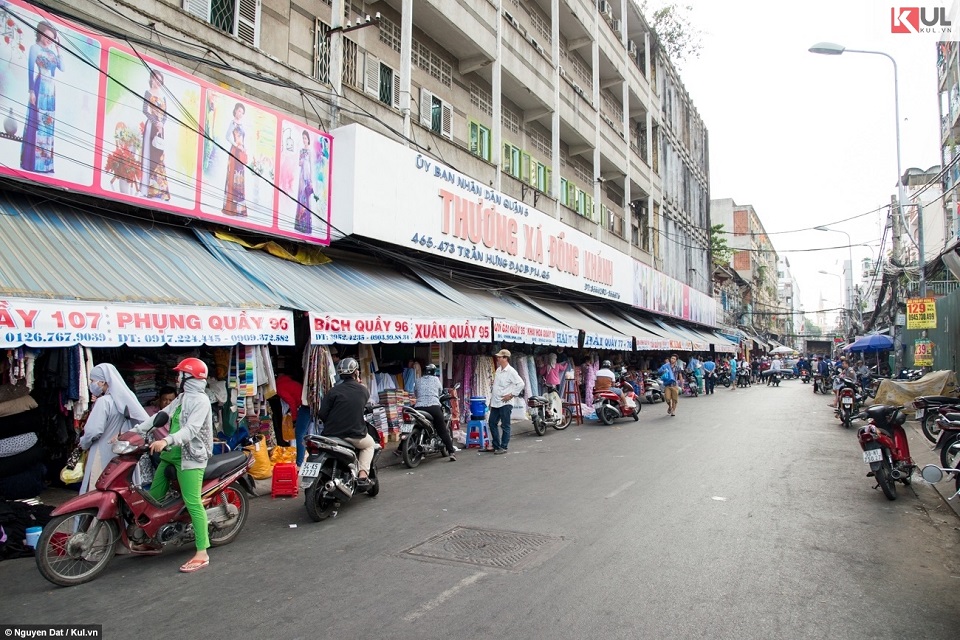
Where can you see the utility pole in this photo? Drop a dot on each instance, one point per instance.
(896, 257)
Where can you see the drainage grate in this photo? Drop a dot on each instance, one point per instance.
(488, 547)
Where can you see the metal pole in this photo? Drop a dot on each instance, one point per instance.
(922, 260)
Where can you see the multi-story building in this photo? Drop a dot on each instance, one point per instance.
(755, 259)
(788, 295)
(924, 190)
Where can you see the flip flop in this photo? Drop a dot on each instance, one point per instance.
(194, 565)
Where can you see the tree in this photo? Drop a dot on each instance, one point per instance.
(811, 329)
(721, 252)
(676, 31)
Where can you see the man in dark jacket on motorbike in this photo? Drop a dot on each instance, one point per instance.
(341, 411)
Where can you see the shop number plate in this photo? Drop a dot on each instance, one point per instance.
(872, 455)
(406, 428)
(310, 469)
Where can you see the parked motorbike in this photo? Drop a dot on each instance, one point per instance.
(548, 411)
(934, 474)
(609, 408)
(329, 476)
(885, 447)
(723, 377)
(653, 389)
(418, 436)
(690, 386)
(849, 404)
(818, 384)
(926, 408)
(949, 440)
(81, 539)
(775, 378)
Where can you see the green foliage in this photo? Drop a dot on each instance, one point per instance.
(676, 31)
(722, 253)
(811, 329)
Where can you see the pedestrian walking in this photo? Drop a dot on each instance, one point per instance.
(733, 374)
(671, 391)
(710, 375)
(507, 384)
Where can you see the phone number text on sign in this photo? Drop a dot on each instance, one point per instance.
(921, 313)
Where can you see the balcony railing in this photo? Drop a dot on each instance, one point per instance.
(936, 288)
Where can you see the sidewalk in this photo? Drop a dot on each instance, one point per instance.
(923, 454)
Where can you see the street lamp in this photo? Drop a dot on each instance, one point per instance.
(848, 298)
(832, 49)
(846, 324)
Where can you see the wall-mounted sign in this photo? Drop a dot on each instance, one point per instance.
(923, 353)
(329, 328)
(412, 200)
(86, 114)
(921, 313)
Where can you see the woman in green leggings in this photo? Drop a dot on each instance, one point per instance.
(186, 448)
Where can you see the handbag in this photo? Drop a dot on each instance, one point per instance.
(74, 474)
(158, 143)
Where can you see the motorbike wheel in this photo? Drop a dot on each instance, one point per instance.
(231, 495)
(726, 382)
(846, 420)
(319, 506)
(374, 484)
(76, 547)
(887, 485)
(567, 419)
(538, 425)
(413, 449)
(950, 453)
(636, 414)
(931, 430)
(605, 414)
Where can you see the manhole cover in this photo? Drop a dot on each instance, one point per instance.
(488, 547)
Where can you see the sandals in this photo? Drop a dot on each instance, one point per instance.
(194, 565)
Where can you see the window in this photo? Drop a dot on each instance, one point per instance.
(481, 99)
(435, 114)
(382, 82)
(563, 192)
(240, 18)
(480, 140)
(433, 64)
(511, 159)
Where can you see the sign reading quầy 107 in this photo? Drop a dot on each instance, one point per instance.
(923, 353)
(921, 313)
(42, 323)
(88, 114)
(329, 328)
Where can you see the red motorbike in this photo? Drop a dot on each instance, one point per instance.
(609, 406)
(885, 447)
(81, 538)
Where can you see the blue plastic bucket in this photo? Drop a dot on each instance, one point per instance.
(478, 406)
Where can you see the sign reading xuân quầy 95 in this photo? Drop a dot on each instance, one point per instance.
(83, 113)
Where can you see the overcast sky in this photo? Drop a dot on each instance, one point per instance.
(810, 139)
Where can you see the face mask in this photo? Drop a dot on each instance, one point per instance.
(96, 389)
(181, 380)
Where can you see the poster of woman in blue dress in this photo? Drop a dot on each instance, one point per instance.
(43, 62)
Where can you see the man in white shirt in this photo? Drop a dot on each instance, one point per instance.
(775, 365)
(507, 384)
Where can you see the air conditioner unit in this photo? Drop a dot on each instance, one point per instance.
(631, 47)
(604, 7)
(511, 19)
(615, 24)
(563, 73)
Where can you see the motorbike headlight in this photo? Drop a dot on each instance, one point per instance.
(121, 447)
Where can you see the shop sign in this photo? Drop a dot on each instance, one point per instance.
(681, 345)
(921, 313)
(438, 210)
(606, 342)
(652, 344)
(130, 128)
(923, 353)
(41, 323)
(505, 331)
(327, 328)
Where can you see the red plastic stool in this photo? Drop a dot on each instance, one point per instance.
(286, 482)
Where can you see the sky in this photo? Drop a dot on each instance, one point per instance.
(810, 139)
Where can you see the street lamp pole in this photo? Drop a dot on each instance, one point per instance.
(848, 284)
(846, 321)
(831, 49)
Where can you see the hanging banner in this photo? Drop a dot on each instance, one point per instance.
(607, 342)
(87, 114)
(921, 313)
(505, 331)
(923, 353)
(327, 328)
(43, 323)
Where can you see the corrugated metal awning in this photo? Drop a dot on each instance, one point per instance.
(56, 251)
(645, 340)
(596, 334)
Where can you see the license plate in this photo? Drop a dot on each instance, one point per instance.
(872, 455)
(406, 428)
(310, 469)
(848, 401)
(919, 414)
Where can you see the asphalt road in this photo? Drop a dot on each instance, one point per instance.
(748, 515)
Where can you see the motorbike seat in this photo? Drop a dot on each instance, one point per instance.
(935, 400)
(223, 463)
(539, 399)
(340, 441)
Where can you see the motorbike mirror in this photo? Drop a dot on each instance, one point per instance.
(160, 419)
(932, 473)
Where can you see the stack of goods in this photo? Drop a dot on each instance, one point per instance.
(391, 401)
(141, 377)
(380, 421)
(21, 455)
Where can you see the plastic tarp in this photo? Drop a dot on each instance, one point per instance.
(902, 392)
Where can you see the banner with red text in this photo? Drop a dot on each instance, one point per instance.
(45, 323)
(519, 332)
(330, 328)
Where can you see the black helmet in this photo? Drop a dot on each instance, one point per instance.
(430, 369)
(347, 367)
(606, 364)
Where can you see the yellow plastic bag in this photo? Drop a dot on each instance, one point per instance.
(283, 454)
(288, 428)
(75, 475)
(262, 467)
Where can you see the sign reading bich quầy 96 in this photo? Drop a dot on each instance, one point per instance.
(87, 114)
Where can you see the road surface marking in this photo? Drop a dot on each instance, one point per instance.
(621, 488)
(443, 597)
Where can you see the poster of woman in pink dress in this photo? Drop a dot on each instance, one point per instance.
(304, 181)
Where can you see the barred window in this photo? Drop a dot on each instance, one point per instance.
(540, 142)
(582, 70)
(390, 33)
(481, 99)
(433, 64)
(582, 169)
(539, 21)
(510, 120)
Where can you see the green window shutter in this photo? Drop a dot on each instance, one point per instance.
(563, 192)
(525, 167)
(588, 206)
(548, 187)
